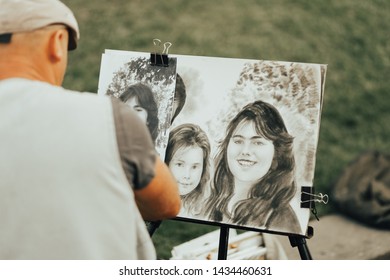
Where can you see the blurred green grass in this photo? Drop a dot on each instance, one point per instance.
(351, 36)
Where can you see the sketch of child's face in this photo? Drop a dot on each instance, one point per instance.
(187, 166)
(249, 155)
(141, 112)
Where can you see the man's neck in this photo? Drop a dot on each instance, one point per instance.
(14, 72)
(17, 68)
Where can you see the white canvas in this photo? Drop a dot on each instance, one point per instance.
(217, 89)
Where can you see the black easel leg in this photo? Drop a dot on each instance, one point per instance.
(300, 242)
(223, 243)
(152, 226)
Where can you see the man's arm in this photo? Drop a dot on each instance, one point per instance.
(160, 198)
(155, 190)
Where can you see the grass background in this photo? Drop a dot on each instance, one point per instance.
(351, 36)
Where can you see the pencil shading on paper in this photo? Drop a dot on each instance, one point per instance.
(218, 90)
(118, 73)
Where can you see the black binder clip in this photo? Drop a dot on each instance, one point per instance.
(309, 198)
(157, 58)
(5, 38)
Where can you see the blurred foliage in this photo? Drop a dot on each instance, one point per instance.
(351, 36)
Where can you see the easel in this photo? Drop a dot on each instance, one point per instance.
(308, 200)
(300, 242)
(295, 241)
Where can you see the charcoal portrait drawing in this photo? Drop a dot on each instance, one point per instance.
(147, 89)
(262, 119)
(259, 124)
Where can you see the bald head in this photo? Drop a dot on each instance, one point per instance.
(37, 55)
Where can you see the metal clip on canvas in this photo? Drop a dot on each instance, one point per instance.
(160, 58)
(308, 198)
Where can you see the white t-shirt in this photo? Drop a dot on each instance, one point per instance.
(63, 191)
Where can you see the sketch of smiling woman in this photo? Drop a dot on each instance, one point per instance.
(254, 172)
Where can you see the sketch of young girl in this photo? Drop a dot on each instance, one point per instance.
(140, 97)
(187, 156)
(254, 173)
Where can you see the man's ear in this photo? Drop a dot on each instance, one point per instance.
(58, 45)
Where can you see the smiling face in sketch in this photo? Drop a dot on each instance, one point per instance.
(187, 166)
(249, 155)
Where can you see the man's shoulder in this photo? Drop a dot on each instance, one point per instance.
(73, 96)
(20, 85)
(51, 99)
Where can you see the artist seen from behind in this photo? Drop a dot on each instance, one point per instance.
(78, 172)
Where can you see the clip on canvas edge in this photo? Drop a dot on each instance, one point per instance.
(309, 198)
(157, 58)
